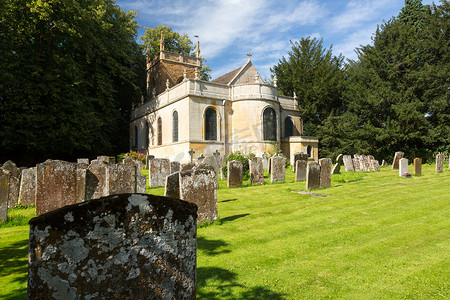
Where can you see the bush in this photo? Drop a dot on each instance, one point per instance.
(245, 163)
(132, 154)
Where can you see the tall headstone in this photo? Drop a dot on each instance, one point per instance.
(299, 156)
(325, 172)
(96, 180)
(158, 170)
(417, 166)
(127, 246)
(356, 163)
(397, 156)
(348, 163)
(337, 166)
(121, 179)
(27, 193)
(402, 166)
(256, 170)
(439, 163)
(174, 167)
(365, 163)
(300, 170)
(172, 188)
(56, 183)
(234, 175)
(200, 187)
(265, 161)
(14, 182)
(278, 170)
(4, 192)
(313, 176)
(81, 182)
(147, 159)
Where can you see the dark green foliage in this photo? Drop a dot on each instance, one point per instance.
(245, 162)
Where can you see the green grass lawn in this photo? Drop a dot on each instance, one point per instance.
(377, 236)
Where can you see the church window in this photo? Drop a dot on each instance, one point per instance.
(175, 127)
(135, 136)
(269, 124)
(308, 150)
(288, 127)
(147, 134)
(159, 131)
(211, 124)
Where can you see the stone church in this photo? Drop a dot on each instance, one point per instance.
(234, 112)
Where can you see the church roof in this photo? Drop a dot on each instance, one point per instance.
(226, 79)
(242, 75)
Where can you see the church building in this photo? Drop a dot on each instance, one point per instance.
(234, 112)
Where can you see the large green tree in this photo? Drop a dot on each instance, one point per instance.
(69, 71)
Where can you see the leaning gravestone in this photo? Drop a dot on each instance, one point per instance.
(278, 171)
(56, 183)
(313, 176)
(300, 170)
(127, 246)
(234, 178)
(200, 187)
(174, 167)
(325, 172)
(14, 182)
(384, 163)
(27, 193)
(439, 163)
(402, 166)
(348, 163)
(365, 164)
(265, 161)
(4, 191)
(397, 156)
(337, 167)
(172, 188)
(356, 163)
(417, 166)
(256, 171)
(376, 165)
(158, 170)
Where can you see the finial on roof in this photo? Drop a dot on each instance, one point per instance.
(275, 80)
(249, 56)
(198, 46)
(161, 42)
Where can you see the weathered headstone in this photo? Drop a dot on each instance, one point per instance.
(256, 171)
(384, 163)
(96, 180)
(133, 162)
(300, 170)
(397, 156)
(356, 163)
(4, 192)
(127, 246)
(112, 160)
(81, 182)
(439, 163)
(14, 182)
(141, 184)
(312, 176)
(402, 166)
(348, 163)
(147, 159)
(265, 161)
(278, 170)
(337, 166)
(200, 187)
(376, 165)
(27, 193)
(212, 161)
(187, 167)
(56, 183)
(325, 172)
(83, 161)
(417, 166)
(174, 167)
(172, 188)
(158, 170)
(191, 154)
(121, 179)
(365, 163)
(103, 159)
(299, 156)
(234, 175)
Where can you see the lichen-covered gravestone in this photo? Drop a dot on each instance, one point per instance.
(175, 167)
(300, 170)
(356, 163)
(397, 156)
(27, 193)
(56, 183)
(402, 167)
(96, 180)
(313, 176)
(439, 163)
(158, 170)
(278, 168)
(199, 186)
(365, 163)
(14, 182)
(348, 163)
(265, 161)
(172, 188)
(121, 178)
(299, 156)
(4, 191)
(325, 172)
(417, 166)
(234, 175)
(127, 246)
(256, 171)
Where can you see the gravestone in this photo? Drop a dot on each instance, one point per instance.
(356, 163)
(365, 163)
(417, 166)
(312, 176)
(299, 156)
(397, 156)
(348, 163)
(256, 171)
(56, 183)
(27, 193)
(14, 182)
(337, 166)
(141, 184)
(384, 163)
(234, 176)
(300, 170)
(172, 188)
(191, 155)
(187, 167)
(158, 170)
(83, 161)
(439, 163)
(96, 180)
(81, 187)
(4, 192)
(200, 187)
(174, 167)
(265, 161)
(325, 172)
(212, 161)
(402, 166)
(133, 162)
(127, 246)
(103, 159)
(147, 159)
(375, 165)
(121, 179)
(278, 169)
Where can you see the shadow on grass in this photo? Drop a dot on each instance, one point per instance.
(228, 200)
(225, 286)
(211, 247)
(14, 259)
(232, 218)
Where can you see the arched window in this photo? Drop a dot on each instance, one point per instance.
(159, 131)
(308, 150)
(180, 79)
(147, 134)
(270, 124)
(288, 127)
(135, 136)
(175, 127)
(210, 124)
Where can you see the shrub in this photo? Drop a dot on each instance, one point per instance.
(132, 154)
(245, 163)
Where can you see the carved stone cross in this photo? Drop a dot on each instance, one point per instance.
(191, 153)
(216, 154)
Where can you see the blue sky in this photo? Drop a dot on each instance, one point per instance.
(229, 29)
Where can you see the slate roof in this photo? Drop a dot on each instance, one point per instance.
(226, 79)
